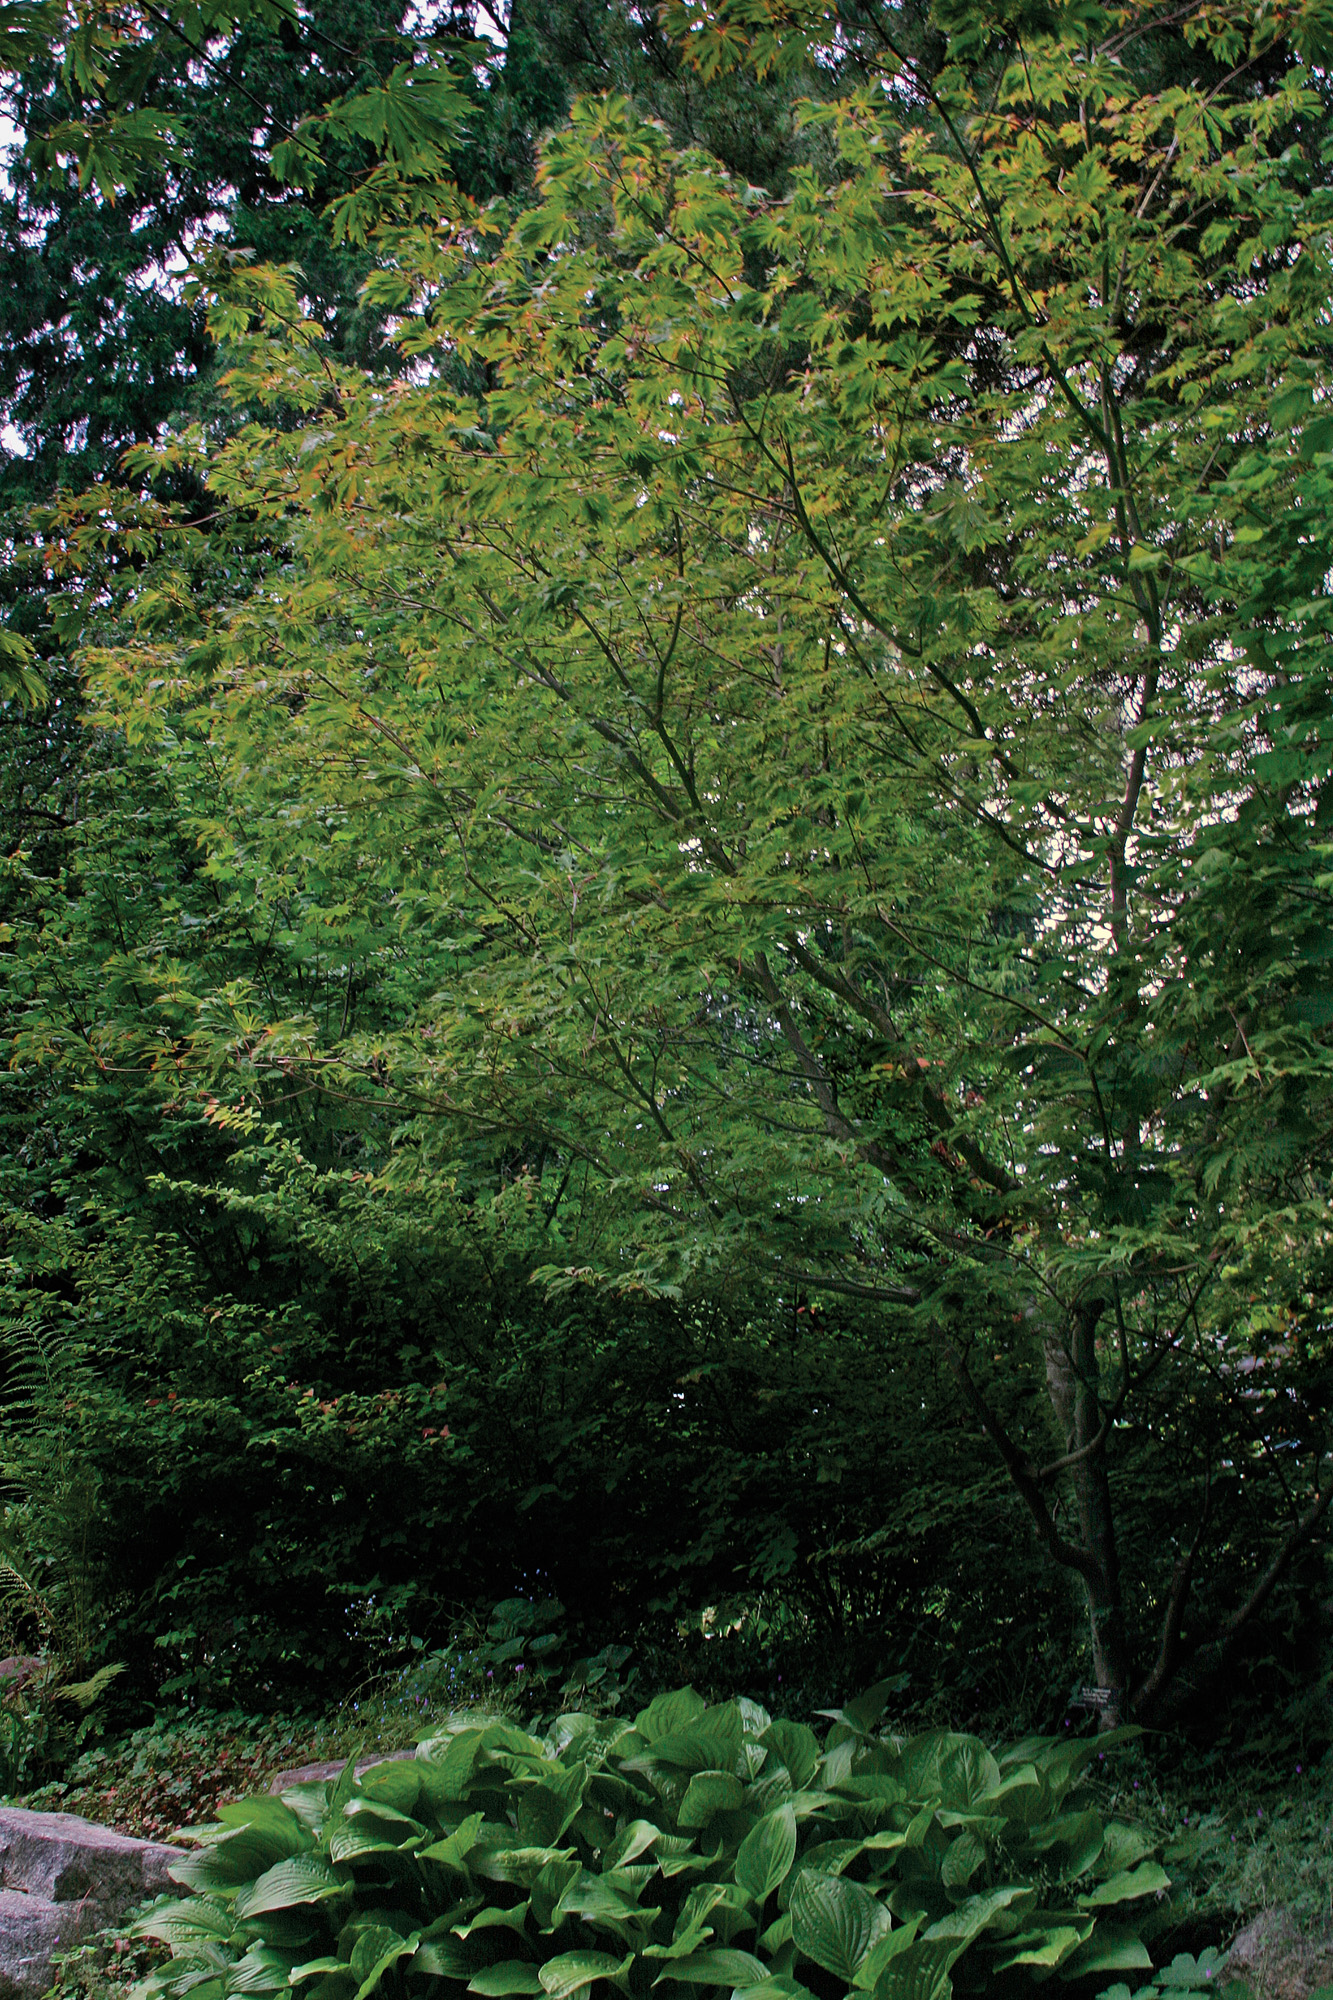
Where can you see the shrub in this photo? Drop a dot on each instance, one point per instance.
(698, 1847)
(386, 1427)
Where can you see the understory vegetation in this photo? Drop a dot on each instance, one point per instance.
(925, 1858)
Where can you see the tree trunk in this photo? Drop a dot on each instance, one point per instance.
(1071, 1379)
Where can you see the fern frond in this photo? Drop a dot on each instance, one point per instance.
(85, 1693)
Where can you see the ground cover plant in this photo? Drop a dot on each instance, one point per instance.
(694, 1845)
(177, 1768)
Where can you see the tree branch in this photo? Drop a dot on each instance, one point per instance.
(836, 1122)
(1063, 1552)
(934, 1102)
(1300, 1532)
(1168, 1651)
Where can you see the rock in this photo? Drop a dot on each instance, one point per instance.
(311, 1774)
(65, 1859)
(20, 1667)
(31, 1932)
(62, 1877)
(1279, 1960)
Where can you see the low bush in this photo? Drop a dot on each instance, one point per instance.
(700, 1847)
(181, 1766)
(379, 1427)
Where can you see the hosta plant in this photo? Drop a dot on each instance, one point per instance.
(695, 1847)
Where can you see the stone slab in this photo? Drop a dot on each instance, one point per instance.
(32, 1930)
(60, 1858)
(311, 1774)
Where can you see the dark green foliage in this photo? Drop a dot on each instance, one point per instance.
(279, 1494)
(177, 1769)
(383, 1428)
(524, 1644)
(701, 1846)
(98, 347)
(1186, 1978)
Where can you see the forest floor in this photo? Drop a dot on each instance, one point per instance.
(177, 1770)
(1239, 1843)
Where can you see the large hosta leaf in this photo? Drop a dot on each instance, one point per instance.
(798, 1749)
(1111, 1948)
(958, 1770)
(260, 1971)
(270, 1820)
(978, 1913)
(453, 1850)
(546, 1809)
(874, 1965)
(452, 1760)
(375, 1952)
(773, 1788)
(502, 1743)
(1048, 1947)
(1073, 1839)
(601, 1901)
(1148, 1879)
(830, 1857)
(690, 1938)
(636, 1839)
(879, 1788)
(378, 1812)
(966, 1854)
(835, 1922)
(492, 1919)
(919, 1973)
(767, 1852)
(446, 1958)
(396, 1783)
(709, 1793)
(573, 1970)
(721, 1902)
(682, 1859)
(370, 1945)
(186, 1922)
(302, 1878)
(1018, 1795)
(669, 1711)
(919, 1765)
(698, 1748)
(352, 1840)
(511, 1975)
(513, 1864)
(230, 1857)
(1122, 1847)
(720, 1967)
